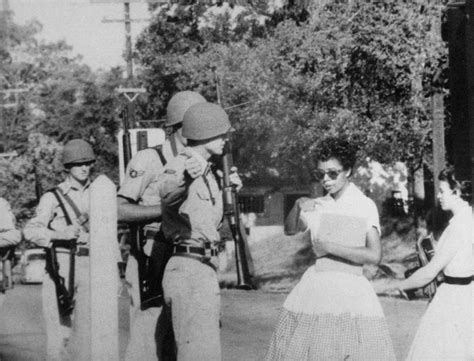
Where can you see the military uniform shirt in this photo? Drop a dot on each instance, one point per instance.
(50, 217)
(141, 181)
(192, 208)
(9, 235)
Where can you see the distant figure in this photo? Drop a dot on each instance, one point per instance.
(62, 214)
(333, 313)
(9, 235)
(446, 329)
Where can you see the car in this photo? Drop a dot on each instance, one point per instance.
(32, 266)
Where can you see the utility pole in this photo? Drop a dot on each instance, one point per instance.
(130, 92)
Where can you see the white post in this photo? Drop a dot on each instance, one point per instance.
(104, 283)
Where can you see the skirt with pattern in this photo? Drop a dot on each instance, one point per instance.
(331, 316)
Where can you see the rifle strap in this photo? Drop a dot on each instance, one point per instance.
(61, 204)
(159, 151)
(174, 146)
(68, 199)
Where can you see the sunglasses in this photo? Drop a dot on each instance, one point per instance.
(332, 174)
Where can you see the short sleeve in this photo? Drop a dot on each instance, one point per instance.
(373, 219)
(143, 169)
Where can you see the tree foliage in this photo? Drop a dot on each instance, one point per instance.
(62, 99)
(365, 70)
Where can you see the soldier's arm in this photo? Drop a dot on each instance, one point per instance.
(36, 230)
(9, 235)
(138, 176)
(131, 212)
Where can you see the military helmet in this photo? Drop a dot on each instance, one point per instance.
(179, 103)
(204, 121)
(77, 151)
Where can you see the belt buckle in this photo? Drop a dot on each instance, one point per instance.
(211, 251)
(82, 251)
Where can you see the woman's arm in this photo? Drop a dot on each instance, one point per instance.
(370, 254)
(294, 223)
(427, 273)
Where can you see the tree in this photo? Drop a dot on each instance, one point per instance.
(363, 70)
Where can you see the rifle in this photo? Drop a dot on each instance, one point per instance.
(231, 212)
(149, 294)
(64, 296)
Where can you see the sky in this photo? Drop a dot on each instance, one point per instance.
(79, 22)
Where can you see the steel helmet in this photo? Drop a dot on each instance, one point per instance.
(204, 121)
(179, 103)
(77, 151)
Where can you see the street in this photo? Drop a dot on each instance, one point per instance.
(22, 336)
(248, 318)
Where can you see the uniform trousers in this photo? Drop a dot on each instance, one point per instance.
(192, 298)
(79, 342)
(57, 335)
(142, 343)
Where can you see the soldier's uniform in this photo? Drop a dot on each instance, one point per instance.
(192, 212)
(141, 186)
(48, 224)
(9, 235)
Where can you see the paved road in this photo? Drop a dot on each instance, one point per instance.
(248, 319)
(22, 335)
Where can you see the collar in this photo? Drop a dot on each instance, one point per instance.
(69, 183)
(465, 209)
(348, 192)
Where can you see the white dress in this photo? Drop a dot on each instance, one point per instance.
(333, 313)
(445, 331)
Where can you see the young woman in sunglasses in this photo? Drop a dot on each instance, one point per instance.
(446, 330)
(333, 312)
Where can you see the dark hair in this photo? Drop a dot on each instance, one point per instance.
(338, 148)
(449, 175)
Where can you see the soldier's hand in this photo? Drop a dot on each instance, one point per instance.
(234, 179)
(71, 232)
(192, 165)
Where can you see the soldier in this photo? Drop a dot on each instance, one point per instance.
(192, 214)
(139, 201)
(62, 214)
(9, 235)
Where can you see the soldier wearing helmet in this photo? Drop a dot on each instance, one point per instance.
(192, 213)
(62, 214)
(139, 201)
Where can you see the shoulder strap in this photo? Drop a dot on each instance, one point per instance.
(61, 204)
(159, 151)
(76, 210)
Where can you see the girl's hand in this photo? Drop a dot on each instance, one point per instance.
(305, 204)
